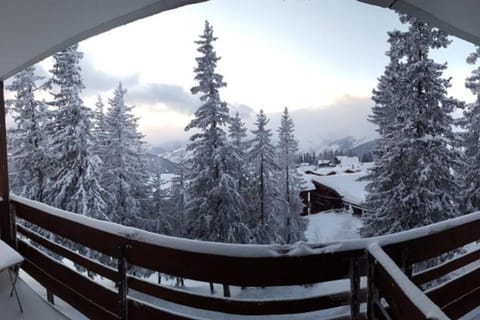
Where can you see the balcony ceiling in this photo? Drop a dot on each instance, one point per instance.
(31, 30)
(457, 17)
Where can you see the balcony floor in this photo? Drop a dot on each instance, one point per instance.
(34, 307)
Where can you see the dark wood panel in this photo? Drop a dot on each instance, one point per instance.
(71, 279)
(79, 302)
(93, 238)
(463, 305)
(245, 307)
(141, 311)
(380, 312)
(447, 267)
(243, 271)
(400, 304)
(452, 290)
(435, 244)
(89, 264)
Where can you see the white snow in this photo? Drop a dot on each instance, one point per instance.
(332, 226)
(34, 307)
(167, 180)
(8, 256)
(348, 162)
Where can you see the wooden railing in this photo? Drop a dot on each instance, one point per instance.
(389, 295)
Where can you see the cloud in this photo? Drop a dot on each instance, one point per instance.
(314, 128)
(97, 81)
(172, 96)
(245, 112)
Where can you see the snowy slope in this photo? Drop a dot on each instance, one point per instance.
(332, 226)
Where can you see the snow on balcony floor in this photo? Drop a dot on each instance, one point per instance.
(34, 307)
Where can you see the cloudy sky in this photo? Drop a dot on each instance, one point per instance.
(321, 59)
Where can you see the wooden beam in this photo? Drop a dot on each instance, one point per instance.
(6, 223)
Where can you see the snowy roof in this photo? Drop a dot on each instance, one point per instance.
(459, 17)
(347, 185)
(33, 30)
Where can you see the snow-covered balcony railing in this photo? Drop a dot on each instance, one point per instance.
(235, 265)
(402, 296)
(345, 263)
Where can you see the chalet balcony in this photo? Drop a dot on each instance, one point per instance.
(372, 278)
(376, 273)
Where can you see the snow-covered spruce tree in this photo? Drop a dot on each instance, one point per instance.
(385, 96)
(125, 176)
(237, 132)
(99, 129)
(158, 204)
(267, 203)
(27, 138)
(214, 208)
(292, 226)
(176, 202)
(75, 170)
(412, 184)
(471, 142)
(27, 142)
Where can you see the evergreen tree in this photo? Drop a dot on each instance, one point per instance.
(159, 213)
(99, 129)
(471, 142)
(74, 180)
(292, 228)
(268, 205)
(237, 134)
(27, 139)
(176, 203)
(411, 183)
(214, 206)
(125, 175)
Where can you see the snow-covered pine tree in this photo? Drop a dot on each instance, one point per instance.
(176, 202)
(265, 196)
(471, 142)
(412, 184)
(75, 170)
(214, 208)
(99, 129)
(385, 96)
(237, 132)
(158, 203)
(292, 225)
(27, 138)
(125, 176)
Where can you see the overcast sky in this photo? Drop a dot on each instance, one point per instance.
(319, 58)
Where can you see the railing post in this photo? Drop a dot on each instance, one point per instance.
(406, 265)
(354, 289)
(50, 297)
(123, 284)
(371, 288)
(5, 216)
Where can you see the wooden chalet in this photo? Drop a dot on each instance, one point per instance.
(337, 191)
(33, 30)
